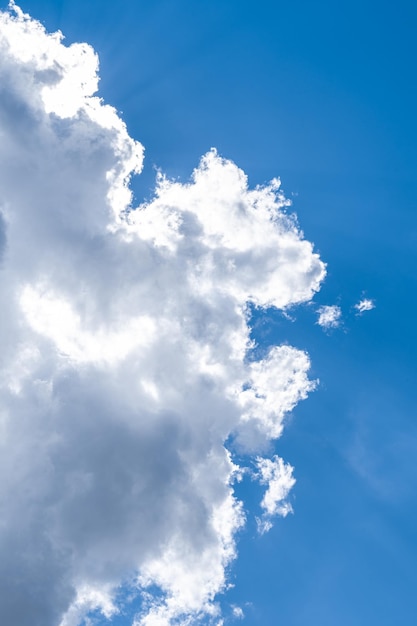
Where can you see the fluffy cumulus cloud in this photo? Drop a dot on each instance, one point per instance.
(329, 316)
(125, 362)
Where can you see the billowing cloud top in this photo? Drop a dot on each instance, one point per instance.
(124, 352)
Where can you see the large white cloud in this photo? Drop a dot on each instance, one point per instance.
(125, 353)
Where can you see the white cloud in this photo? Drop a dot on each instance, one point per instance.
(238, 612)
(124, 364)
(366, 304)
(329, 316)
(278, 476)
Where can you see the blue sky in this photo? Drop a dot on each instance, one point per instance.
(323, 96)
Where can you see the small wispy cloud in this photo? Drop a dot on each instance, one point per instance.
(366, 304)
(278, 476)
(329, 316)
(238, 612)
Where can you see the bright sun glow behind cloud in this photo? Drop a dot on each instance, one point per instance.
(126, 359)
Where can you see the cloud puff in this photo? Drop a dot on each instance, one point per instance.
(237, 612)
(366, 304)
(329, 316)
(278, 476)
(125, 364)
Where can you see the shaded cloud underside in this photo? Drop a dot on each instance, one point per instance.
(124, 368)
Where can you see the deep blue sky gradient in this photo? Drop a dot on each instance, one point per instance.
(324, 95)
